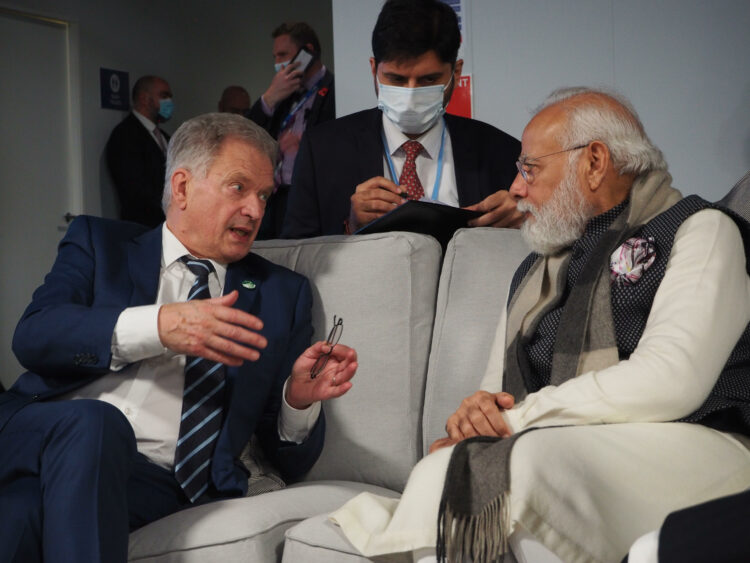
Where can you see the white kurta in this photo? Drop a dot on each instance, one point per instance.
(588, 490)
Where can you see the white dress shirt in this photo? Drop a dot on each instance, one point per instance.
(147, 380)
(426, 161)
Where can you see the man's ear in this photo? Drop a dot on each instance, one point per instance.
(457, 68)
(597, 161)
(374, 70)
(179, 186)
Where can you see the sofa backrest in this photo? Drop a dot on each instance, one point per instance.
(738, 198)
(384, 286)
(477, 270)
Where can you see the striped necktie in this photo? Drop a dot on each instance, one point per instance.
(202, 401)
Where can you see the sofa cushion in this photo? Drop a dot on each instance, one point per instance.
(243, 529)
(318, 540)
(477, 270)
(384, 286)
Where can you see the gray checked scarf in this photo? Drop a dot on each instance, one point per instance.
(474, 511)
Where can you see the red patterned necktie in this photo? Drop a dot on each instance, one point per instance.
(409, 180)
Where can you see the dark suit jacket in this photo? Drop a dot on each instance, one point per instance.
(137, 167)
(104, 266)
(335, 157)
(715, 531)
(323, 108)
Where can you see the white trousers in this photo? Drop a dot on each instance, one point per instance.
(585, 492)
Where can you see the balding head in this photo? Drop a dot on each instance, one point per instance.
(235, 99)
(147, 93)
(597, 115)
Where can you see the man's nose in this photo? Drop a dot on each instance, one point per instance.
(253, 207)
(519, 188)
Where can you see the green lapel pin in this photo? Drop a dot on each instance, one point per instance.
(248, 284)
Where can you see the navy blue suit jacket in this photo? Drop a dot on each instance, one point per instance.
(334, 157)
(105, 266)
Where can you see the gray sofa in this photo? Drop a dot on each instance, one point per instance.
(422, 324)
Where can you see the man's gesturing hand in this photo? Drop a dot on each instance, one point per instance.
(480, 415)
(211, 329)
(333, 381)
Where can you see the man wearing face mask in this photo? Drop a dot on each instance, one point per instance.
(299, 96)
(357, 168)
(136, 152)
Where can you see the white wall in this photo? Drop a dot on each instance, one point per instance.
(685, 65)
(198, 46)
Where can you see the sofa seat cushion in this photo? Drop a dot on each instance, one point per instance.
(318, 540)
(243, 529)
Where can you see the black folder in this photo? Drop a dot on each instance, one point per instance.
(426, 217)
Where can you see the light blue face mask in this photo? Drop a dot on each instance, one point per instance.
(278, 66)
(412, 110)
(166, 108)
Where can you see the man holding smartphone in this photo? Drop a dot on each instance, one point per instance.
(299, 95)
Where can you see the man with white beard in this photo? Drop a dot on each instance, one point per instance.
(617, 389)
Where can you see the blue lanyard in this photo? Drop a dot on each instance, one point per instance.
(438, 176)
(299, 104)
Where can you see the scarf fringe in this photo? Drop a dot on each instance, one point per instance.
(478, 538)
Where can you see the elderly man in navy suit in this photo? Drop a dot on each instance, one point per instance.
(155, 355)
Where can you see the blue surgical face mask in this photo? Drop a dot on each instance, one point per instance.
(166, 108)
(412, 110)
(278, 66)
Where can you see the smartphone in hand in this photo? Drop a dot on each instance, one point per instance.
(304, 57)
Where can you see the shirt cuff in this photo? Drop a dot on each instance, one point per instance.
(136, 336)
(265, 107)
(508, 423)
(295, 424)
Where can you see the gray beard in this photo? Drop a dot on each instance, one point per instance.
(559, 221)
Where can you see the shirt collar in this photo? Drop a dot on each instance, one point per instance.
(430, 139)
(147, 123)
(172, 250)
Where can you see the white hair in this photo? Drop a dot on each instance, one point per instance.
(197, 142)
(591, 118)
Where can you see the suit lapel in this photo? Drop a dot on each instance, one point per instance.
(247, 284)
(144, 264)
(319, 100)
(464, 162)
(240, 277)
(369, 143)
(148, 138)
